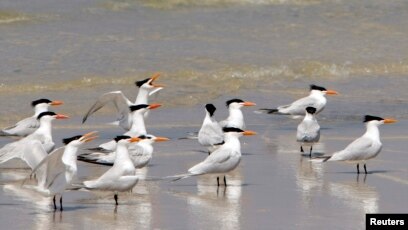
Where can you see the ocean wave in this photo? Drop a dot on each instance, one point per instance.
(7, 17)
(230, 78)
(117, 5)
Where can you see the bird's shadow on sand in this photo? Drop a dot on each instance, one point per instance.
(209, 185)
(362, 173)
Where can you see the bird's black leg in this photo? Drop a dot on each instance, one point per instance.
(218, 182)
(55, 206)
(358, 169)
(301, 149)
(365, 169)
(225, 181)
(310, 153)
(116, 198)
(61, 204)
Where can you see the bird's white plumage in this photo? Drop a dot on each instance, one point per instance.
(210, 132)
(363, 148)
(122, 103)
(308, 131)
(235, 118)
(120, 177)
(29, 148)
(28, 125)
(315, 99)
(222, 160)
(137, 128)
(140, 154)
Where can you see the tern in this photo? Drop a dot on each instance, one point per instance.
(235, 118)
(121, 176)
(210, 134)
(147, 87)
(223, 160)
(42, 137)
(315, 99)
(60, 166)
(140, 152)
(308, 131)
(28, 125)
(138, 127)
(365, 147)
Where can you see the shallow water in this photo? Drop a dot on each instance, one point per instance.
(80, 49)
(265, 51)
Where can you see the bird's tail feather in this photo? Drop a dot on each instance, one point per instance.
(320, 159)
(179, 176)
(99, 150)
(190, 136)
(268, 111)
(86, 158)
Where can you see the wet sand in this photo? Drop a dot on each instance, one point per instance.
(273, 187)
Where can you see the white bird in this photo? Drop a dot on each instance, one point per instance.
(60, 167)
(223, 160)
(308, 131)
(30, 124)
(140, 152)
(138, 128)
(235, 118)
(210, 134)
(25, 148)
(122, 103)
(365, 147)
(121, 176)
(315, 99)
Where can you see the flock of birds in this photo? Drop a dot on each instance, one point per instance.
(55, 169)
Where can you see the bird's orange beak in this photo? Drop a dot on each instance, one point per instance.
(134, 139)
(248, 103)
(61, 116)
(56, 103)
(249, 133)
(389, 120)
(161, 139)
(332, 92)
(154, 78)
(154, 106)
(89, 136)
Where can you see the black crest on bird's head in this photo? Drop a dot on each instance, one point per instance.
(210, 108)
(311, 110)
(232, 129)
(315, 87)
(233, 100)
(137, 107)
(118, 138)
(39, 101)
(368, 118)
(48, 113)
(68, 140)
(140, 83)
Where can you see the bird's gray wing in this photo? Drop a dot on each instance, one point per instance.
(52, 166)
(116, 97)
(354, 151)
(308, 131)
(298, 106)
(23, 127)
